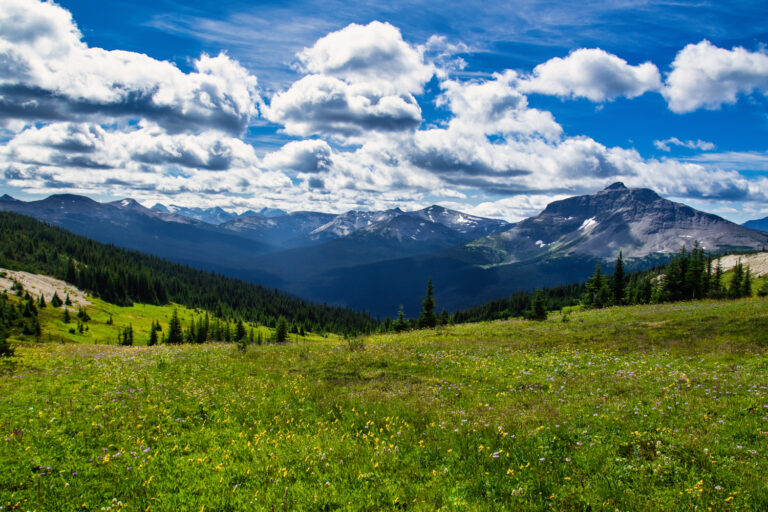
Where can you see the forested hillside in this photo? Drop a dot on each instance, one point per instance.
(121, 277)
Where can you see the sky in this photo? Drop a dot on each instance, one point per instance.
(492, 108)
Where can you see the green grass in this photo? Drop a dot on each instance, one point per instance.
(639, 408)
(139, 316)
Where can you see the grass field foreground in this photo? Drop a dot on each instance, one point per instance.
(639, 408)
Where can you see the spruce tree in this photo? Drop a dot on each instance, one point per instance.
(239, 331)
(152, 336)
(66, 316)
(427, 317)
(400, 324)
(538, 309)
(746, 283)
(617, 281)
(175, 336)
(56, 301)
(716, 286)
(735, 290)
(5, 347)
(281, 330)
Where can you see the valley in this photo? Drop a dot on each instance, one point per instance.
(376, 261)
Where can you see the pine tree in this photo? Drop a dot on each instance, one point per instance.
(716, 287)
(617, 281)
(735, 290)
(538, 309)
(67, 301)
(281, 330)
(152, 336)
(598, 293)
(239, 331)
(56, 301)
(174, 330)
(746, 283)
(41, 303)
(66, 316)
(5, 347)
(400, 324)
(427, 317)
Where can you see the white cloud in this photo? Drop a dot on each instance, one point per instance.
(705, 76)
(495, 106)
(144, 162)
(48, 73)
(361, 79)
(664, 145)
(593, 74)
(304, 156)
(374, 54)
(325, 105)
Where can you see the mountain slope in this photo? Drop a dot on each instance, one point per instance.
(757, 224)
(128, 224)
(638, 222)
(121, 277)
(289, 230)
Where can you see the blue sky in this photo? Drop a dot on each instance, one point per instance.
(495, 108)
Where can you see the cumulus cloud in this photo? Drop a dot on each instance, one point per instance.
(325, 105)
(594, 74)
(304, 156)
(360, 79)
(665, 145)
(495, 106)
(375, 54)
(145, 161)
(48, 73)
(705, 76)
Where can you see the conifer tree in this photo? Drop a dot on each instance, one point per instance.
(152, 336)
(41, 303)
(538, 309)
(400, 324)
(174, 329)
(746, 283)
(598, 294)
(67, 301)
(735, 290)
(427, 317)
(66, 316)
(5, 347)
(617, 281)
(281, 330)
(239, 331)
(716, 287)
(56, 301)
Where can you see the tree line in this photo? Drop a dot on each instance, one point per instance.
(122, 277)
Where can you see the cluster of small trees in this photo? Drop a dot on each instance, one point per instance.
(687, 276)
(205, 329)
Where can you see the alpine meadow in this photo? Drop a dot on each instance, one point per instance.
(315, 256)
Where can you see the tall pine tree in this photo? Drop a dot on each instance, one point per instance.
(427, 318)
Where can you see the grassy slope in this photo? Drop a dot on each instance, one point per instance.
(139, 316)
(641, 408)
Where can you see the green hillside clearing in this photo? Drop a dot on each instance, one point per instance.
(637, 408)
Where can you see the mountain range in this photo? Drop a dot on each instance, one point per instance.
(215, 215)
(378, 260)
